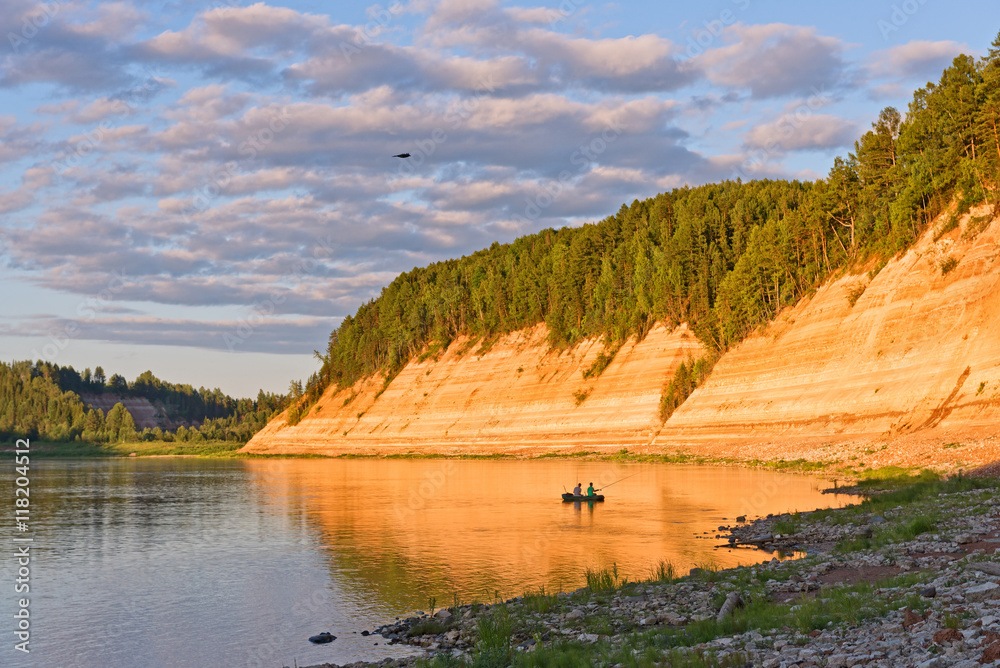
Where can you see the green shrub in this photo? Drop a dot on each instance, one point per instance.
(539, 601)
(601, 362)
(855, 292)
(791, 525)
(948, 264)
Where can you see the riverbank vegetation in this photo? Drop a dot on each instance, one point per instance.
(45, 401)
(725, 258)
(42, 449)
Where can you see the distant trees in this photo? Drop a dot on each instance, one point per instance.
(724, 257)
(42, 400)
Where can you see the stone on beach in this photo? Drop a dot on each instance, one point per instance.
(983, 592)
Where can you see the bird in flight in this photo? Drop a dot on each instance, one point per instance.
(402, 155)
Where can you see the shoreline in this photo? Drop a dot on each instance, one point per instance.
(854, 470)
(907, 577)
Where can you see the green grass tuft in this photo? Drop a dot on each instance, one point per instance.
(604, 579)
(493, 648)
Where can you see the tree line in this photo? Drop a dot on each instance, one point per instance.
(724, 257)
(43, 400)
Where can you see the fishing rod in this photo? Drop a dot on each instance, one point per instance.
(619, 480)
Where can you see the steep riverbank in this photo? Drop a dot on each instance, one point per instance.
(899, 365)
(907, 578)
(515, 395)
(895, 365)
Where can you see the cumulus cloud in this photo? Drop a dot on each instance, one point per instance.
(774, 60)
(68, 44)
(33, 180)
(254, 333)
(920, 58)
(233, 33)
(802, 132)
(18, 141)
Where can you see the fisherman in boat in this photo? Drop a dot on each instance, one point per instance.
(578, 490)
(590, 490)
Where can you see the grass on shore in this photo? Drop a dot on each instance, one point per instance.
(915, 502)
(76, 449)
(677, 646)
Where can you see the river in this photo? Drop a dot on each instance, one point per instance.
(181, 562)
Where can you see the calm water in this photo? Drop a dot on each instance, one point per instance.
(192, 562)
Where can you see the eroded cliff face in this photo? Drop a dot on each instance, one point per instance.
(518, 396)
(911, 367)
(902, 375)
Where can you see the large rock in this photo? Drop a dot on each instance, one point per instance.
(991, 653)
(983, 592)
(991, 567)
(947, 635)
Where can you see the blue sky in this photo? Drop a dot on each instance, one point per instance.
(205, 190)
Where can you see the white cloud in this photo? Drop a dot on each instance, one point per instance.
(774, 60)
(33, 180)
(803, 132)
(919, 58)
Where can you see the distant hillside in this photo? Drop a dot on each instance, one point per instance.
(44, 400)
(898, 365)
(723, 259)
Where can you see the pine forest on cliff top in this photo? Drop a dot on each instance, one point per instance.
(724, 257)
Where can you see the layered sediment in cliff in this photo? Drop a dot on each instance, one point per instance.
(913, 363)
(908, 354)
(518, 395)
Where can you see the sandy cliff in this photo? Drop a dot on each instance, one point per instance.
(913, 363)
(518, 395)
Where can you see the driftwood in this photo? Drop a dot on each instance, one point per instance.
(732, 602)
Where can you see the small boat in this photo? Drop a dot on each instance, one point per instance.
(567, 497)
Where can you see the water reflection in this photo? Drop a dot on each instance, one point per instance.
(180, 562)
(407, 530)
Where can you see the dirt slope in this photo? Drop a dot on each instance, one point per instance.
(517, 396)
(908, 371)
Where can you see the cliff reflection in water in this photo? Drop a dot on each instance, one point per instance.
(406, 530)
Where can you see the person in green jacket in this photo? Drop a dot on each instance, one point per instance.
(590, 490)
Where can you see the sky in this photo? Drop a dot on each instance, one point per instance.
(205, 190)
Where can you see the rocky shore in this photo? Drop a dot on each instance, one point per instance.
(906, 578)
